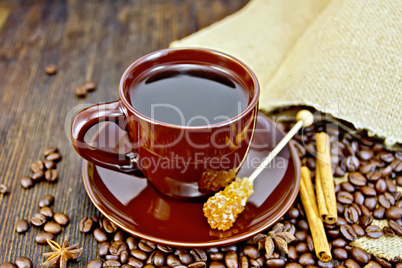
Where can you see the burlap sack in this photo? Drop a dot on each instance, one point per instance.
(342, 56)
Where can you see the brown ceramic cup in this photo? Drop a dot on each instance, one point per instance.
(180, 161)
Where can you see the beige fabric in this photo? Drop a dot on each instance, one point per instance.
(341, 56)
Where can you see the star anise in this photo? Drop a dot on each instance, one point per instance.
(61, 254)
(278, 238)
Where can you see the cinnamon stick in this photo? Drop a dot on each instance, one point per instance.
(316, 226)
(322, 206)
(326, 178)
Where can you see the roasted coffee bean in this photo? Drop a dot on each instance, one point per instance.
(372, 264)
(347, 186)
(301, 235)
(293, 213)
(303, 225)
(156, 258)
(47, 212)
(381, 186)
(51, 175)
(397, 196)
(139, 254)
(164, 249)
(366, 220)
(200, 254)
(340, 221)
(395, 226)
(365, 210)
(52, 227)
(339, 243)
(95, 263)
(85, 225)
(259, 262)
(384, 201)
(112, 257)
(358, 198)
(131, 243)
(360, 255)
(289, 228)
(379, 212)
(292, 253)
(393, 213)
(51, 69)
(134, 262)
(352, 163)
(49, 151)
(340, 253)
(55, 157)
(310, 243)
(146, 246)
(197, 264)
(89, 86)
(216, 256)
(104, 248)
(37, 166)
(80, 91)
(358, 230)
(373, 231)
(38, 219)
(244, 262)
(333, 233)
(26, 182)
(357, 208)
(38, 176)
(390, 185)
(23, 262)
(307, 259)
(46, 201)
(365, 154)
(374, 175)
(109, 226)
(370, 203)
(301, 248)
(364, 169)
(322, 264)
(339, 172)
(383, 262)
(310, 163)
(368, 191)
(340, 208)
(275, 263)
(100, 235)
(42, 238)
(399, 181)
(251, 252)
(345, 197)
(357, 179)
(351, 215)
(228, 248)
(118, 236)
(349, 263)
(22, 226)
(293, 265)
(111, 263)
(390, 198)
(172, 261)
(61, 219)
(115, 246)
(387, 171)
(348, 232)
(231, 259)
(386, 156)
(387, 231)
(49, 164)
(124, 256)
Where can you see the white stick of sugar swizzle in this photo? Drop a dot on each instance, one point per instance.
(222, 209)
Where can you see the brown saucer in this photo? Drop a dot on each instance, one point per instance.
(135, 206)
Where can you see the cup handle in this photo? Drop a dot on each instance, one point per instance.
(91, 116)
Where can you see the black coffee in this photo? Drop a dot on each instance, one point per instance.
(188, 94)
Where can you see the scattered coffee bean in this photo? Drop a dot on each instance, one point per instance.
(384, 201)
(368, 191)
(47, 212)
(52, 227)
(340, 253)
(307, 259)
(38, 220)
(293, 265)
(379, 212)
(111, 263)
(146, 246)
(41, 238)
(37, 166)
(339, 243)
(393, 213)
(387, 231)
(49, 164)
(100, 235)
(348, 232)
(80, 92)
(46, 201)
(51, 175)
(23, 262)
(201, 255)
(109, 226)
(358, 198)
(366, 220)
(358, 230)
(61, 219)
(55, 157)
(27, 182)
(395, 227)
(89, 86)
(351, 215)
(51, 69)
(370, 203)
(131, 243)
(251, 252)
(139, 254)
(38, 176)
(356, 178)
(50, 150)
(22, 226)
(95, 263)
(292, 253)
(86, 224)
(345, 197)
(274, 263)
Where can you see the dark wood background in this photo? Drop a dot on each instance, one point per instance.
(87, 40)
